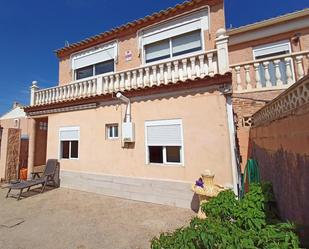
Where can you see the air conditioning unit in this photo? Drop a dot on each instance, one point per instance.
(128, 132)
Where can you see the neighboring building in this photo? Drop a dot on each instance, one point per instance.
(266, 57)
(173, 121)
(14, 138)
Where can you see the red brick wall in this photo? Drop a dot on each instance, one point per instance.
(245, 105)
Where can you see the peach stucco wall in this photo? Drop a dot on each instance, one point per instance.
(23, 124)
(206, 143)
(129, 42)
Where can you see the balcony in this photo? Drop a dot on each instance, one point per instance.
(273, 73)
(170, 72)
(193, 66)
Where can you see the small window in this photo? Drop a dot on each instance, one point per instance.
(112, 131)
(164, 142)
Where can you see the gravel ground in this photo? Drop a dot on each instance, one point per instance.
(64, 219)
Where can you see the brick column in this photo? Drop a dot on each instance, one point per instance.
(31, 150)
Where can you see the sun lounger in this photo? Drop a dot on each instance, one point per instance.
(48, 176)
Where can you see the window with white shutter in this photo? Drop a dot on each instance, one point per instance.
(164, 141)
(69, 142)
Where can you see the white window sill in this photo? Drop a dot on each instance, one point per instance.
(166, 164)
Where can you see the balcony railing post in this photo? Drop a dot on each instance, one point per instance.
(33, 89)
(278, 73)
(99, 85)
(300, 69)
(257, 75)
(222, 51)
(288, 70)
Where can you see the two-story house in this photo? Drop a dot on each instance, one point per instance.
(141, 110)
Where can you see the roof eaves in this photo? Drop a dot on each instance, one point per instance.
(268, 22)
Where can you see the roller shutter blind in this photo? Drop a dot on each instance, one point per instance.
(164, 135)
(94, 58)
(69, 134)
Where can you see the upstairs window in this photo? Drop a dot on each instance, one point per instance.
(98, 60)
(179, 36)
(179, 45)
(100, 68)
(268, 51)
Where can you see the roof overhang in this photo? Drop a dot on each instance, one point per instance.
(135, 25)
(277, 25)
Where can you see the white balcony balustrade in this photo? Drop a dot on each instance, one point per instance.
(278, 72)
(165, 73)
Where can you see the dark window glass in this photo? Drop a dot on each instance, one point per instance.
(84, 72)
(65, 149)
(173, 154)
(104, 67)
(74, 149)
(116, 131)
(155, 154)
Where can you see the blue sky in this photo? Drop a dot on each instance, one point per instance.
(31, 30)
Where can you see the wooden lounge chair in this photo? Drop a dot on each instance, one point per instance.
(48, 176)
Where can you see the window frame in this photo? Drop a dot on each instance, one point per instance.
(271, 45)
(165, 163)
(93, 50)
(107, 129)
(177, 57)
(69, 128)
(202, 15)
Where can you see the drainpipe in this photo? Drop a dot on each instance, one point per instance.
(119, 95)
(232, 135)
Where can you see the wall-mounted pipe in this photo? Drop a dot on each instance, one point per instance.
(119, 95)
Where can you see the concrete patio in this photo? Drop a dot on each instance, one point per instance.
(68, 219)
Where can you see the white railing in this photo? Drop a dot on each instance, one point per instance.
(172, 71)
(278, 72)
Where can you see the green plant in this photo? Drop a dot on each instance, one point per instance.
(232, 224)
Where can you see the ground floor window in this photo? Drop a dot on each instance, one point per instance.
(69, 142)
(164, 142)
(112, 131)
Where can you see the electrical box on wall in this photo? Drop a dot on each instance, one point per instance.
(128, 132)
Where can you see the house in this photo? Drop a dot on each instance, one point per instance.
(266, 58)
(141, 110)
(14, 138)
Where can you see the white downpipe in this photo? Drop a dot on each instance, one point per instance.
(119, 95)
(231, 128)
